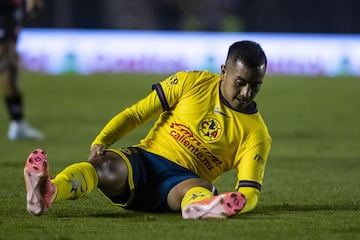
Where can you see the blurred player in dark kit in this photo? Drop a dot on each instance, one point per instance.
(11, 17)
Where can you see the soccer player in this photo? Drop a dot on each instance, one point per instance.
(11, 15)
(208, 124)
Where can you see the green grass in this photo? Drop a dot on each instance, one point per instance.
(311, 188)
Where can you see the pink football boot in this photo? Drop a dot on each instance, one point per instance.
(39, 188)
(224, 205)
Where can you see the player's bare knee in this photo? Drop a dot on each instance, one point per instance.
(178, 192)
(194, 182)
(112, 173)
(8, 58)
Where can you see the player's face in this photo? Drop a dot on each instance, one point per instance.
(240, 84)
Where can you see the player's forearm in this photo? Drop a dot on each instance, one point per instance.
(117, 127)
(127, 120)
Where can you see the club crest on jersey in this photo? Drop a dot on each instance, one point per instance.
(210, 129)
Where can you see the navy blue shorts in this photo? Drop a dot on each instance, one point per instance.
(151, 177)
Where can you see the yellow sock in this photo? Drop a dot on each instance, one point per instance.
(195, 194)
(75, 181)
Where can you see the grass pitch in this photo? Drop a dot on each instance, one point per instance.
(311, 188)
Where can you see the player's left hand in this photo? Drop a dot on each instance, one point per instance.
(96, 150)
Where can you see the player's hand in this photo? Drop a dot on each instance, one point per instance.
(96, 150)
(33, 7)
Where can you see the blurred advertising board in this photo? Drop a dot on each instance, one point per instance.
(55, 51)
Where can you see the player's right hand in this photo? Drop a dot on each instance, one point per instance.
(96, 150)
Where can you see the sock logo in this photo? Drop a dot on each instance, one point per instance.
(195, 196)
(76, 184)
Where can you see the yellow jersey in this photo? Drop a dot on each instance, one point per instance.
(197, 129)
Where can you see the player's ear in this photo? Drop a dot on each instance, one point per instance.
(223, 70)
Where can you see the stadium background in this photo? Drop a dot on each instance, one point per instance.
(302, 16)
(211, 23)
(312, 177)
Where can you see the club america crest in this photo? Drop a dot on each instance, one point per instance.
(210, 129)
